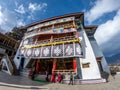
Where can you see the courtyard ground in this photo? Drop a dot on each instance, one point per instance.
(8, 82)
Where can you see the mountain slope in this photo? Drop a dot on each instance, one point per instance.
(113, 59)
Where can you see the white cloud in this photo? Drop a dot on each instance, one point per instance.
(1, 16)
(34, 6)
(20, 9)
(0, 7)
(7, 19)
(107, 34)
(20, 23)
(100, 8)
(31, 17)
(17, 14)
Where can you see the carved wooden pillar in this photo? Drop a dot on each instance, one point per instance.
(76, 34)
(74, 65)
(54, 65)
(38, 66)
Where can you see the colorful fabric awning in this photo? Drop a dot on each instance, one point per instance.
(54, 51)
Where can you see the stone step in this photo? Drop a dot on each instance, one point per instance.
(88, 81)
(41, 77)
(24, 73)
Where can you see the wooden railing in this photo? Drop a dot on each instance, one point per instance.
(64, 71)
(67, 38)
(37, 32)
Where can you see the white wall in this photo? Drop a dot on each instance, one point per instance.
(98, 53)
(93, 71)
(4, 62)
(16, 59)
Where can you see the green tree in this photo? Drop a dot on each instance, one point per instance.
(16, 33)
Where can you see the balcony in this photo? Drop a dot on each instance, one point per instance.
(52, 41)
(53, 46)
(50, 31)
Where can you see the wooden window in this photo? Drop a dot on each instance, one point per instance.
(64, 19)
(86, 65)
(57, 21)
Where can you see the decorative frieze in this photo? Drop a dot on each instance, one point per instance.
(54, 51)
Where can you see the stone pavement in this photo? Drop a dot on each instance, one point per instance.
(8, 82)
(4, 86)
(19, 80)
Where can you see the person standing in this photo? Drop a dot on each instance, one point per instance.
(53, 77)
(71, 78)
(37, 66)
(47, 76)
(59, 78)
(33, 73)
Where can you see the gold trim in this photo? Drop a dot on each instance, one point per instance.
(50, 44)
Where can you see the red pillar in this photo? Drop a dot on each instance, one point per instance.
(54, 65)
(76, 34)
(74, 65)
(38, 66)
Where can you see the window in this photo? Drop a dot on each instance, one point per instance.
(50, 22)
(54, 30)
(100, 66)
(64, 19)
(43, 24)
(57, 21)
(64, 64)
(85, 65)
(61, 30)
(72, 18)
(69, 30)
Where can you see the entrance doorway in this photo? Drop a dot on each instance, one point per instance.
(100, 66)
(62, 65)
(22, 63)
(49, 67)
(44, 66)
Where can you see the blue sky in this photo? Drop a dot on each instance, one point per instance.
(105, 13)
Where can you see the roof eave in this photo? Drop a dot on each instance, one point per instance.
(56, 17)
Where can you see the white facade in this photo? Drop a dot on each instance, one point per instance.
(98, 53)
(17, 57)
(90, 52)
(93, 71)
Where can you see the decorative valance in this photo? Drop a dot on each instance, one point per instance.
(54, 51)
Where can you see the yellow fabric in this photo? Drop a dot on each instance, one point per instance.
(49, 44)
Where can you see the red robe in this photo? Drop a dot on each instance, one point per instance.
(59, 78)
(37, 67)
(53, 77)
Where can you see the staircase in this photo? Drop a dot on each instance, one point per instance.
(24, 72)
(10, 65)
(15, 70)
